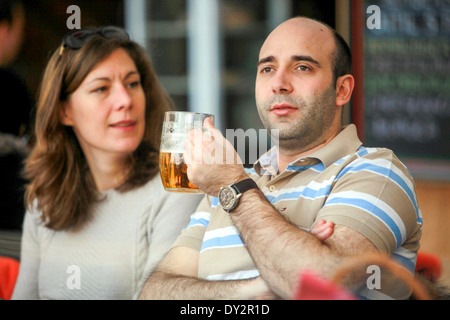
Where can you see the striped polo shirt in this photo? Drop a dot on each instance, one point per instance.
(366, 189)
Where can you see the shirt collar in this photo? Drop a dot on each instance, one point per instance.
(267, 163)
(346, 142)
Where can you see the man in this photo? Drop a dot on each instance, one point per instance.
(318, 171)
(16, 105)
(16, 101)
(12, 23)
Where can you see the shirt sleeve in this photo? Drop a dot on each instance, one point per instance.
(375, 196)
(192, 235)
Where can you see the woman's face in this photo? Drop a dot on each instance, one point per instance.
(107, 111)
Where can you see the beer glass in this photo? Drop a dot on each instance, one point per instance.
(172, 167)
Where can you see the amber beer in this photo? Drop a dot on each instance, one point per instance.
(173, 171)
(172, 168)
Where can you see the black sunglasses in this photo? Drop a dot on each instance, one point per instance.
(75, 39)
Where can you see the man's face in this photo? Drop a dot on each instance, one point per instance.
(12, 35)
(294, 90)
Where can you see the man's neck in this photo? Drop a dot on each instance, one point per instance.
(286, 156)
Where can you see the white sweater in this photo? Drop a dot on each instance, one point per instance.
(111, 257)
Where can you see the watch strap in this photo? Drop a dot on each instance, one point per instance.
(245, 185)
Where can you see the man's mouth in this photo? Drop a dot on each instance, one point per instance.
(283, 109)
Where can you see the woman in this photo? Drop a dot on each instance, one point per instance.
(98, 219)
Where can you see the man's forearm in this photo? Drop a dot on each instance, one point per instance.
(167, 286)
(279, 249)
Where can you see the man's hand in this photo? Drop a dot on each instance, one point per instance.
(212, 160)
(323, 229)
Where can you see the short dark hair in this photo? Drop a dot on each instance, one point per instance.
(342, 60)
(6, 9)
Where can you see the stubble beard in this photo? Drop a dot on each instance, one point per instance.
(305, 131)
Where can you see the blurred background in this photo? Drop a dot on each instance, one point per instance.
(205, 53)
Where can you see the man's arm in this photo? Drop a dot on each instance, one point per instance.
(281, 250)
(176, 278)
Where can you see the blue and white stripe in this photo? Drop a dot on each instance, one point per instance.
(223, 238)
(318, 167)
(199, 219)
(238, 275)
(406, 258)
(313, 190)
(375, 207)
(386, 169)
(214, 202)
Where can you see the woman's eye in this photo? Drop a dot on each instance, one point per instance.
(134, 84)
(101, 89)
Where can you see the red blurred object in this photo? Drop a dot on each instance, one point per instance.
(314, 287)
(9, 270)
(429, 266)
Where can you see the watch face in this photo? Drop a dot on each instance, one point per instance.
(227, 198)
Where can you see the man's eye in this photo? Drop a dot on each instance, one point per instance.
(303, 68)
(266, 70)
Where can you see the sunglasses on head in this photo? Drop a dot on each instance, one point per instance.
(75, 39)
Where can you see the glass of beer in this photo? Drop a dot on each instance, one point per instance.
(172, 167)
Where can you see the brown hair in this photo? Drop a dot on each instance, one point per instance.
(61, 184)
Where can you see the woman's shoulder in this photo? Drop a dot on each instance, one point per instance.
(153, 187)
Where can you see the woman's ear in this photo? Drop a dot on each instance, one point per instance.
(64, 115)
(344, 89)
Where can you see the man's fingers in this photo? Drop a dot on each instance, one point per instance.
(325, 234)
(323, 229)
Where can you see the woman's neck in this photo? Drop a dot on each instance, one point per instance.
(108, 172)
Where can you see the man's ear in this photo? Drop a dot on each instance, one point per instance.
(344, 89)
(4, 29)
(64, 115)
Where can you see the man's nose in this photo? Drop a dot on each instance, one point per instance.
(282, 83)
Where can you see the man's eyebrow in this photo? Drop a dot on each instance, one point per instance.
(294, 58)
(265, 60)
(306, 58)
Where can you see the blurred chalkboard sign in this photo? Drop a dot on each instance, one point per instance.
(406, 74)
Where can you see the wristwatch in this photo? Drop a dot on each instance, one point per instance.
(229, 195)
